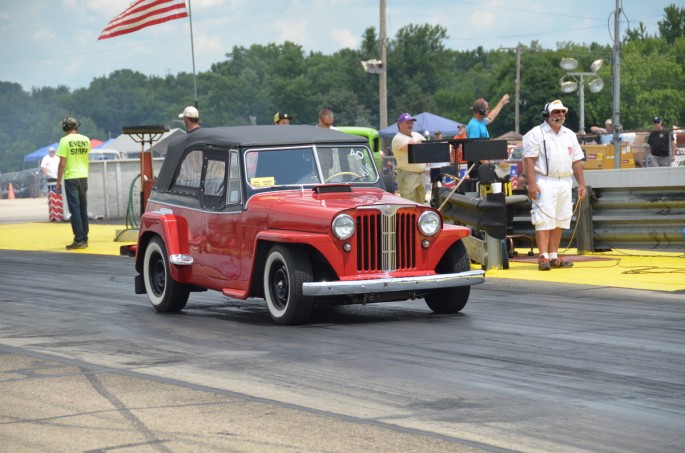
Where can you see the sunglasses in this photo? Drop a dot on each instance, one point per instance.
(556, 112)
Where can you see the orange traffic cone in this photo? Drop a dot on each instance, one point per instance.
(10, 192)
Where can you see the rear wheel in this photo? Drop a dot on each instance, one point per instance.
(451, 300)
(164, 293)
(286, 269)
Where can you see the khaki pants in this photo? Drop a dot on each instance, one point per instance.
(410, 186)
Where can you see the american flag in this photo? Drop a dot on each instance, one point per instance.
(143, 13)
(448, 181)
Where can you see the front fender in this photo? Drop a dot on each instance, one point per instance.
(323, 243)
(446, 239)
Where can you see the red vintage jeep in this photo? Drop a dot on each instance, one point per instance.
(296, 215)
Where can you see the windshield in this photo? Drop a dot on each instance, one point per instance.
(309, 166)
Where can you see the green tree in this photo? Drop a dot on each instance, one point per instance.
(673, 25)
(633, 34)
(423, 75)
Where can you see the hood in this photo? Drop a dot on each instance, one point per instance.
(310, 211)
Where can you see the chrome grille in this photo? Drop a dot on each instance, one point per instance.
(386, 239)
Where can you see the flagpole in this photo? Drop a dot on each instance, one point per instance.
(192, 51)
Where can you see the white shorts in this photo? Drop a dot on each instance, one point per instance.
(555, 206)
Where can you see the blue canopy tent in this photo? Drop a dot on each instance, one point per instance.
(38, 154)
(426, 122)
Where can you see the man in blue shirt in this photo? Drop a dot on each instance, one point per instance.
(482, 116)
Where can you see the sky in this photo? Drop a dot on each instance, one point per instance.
(55, 42)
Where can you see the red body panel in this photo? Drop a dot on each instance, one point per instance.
(223, 244)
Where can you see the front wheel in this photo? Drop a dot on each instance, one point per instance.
(164, 293)
(286, 269)
(451, 300)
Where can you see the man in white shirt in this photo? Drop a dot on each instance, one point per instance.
(49, 166)
(551, 155)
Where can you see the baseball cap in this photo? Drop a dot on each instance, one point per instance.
(607, 122)
(52, 148)
(281, 116)
(405, 117)
(189, 112)
(556, 105)
(656, 119)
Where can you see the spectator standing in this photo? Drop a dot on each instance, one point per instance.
(604, 134)
(457, 155)
(551, 155)
(49, 166)
(409, 176)
(282, 119)
(483, 116)
(73, 152)
(477, 126)
(191, 118)
(660, 144)
(326, 119)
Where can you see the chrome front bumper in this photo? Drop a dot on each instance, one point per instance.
(389, 285)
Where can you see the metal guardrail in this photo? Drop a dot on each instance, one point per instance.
(641, 209)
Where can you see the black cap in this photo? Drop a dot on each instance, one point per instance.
(656, 119)
(281, 116)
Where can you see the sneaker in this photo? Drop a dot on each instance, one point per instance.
(558, 262)
(77, 245)
(543, 264)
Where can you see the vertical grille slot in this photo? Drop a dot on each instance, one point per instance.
(406, 239)
(386, 240)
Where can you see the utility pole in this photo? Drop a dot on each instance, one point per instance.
(383, 76)
(617, 87)
(517, 96)
(518, 87)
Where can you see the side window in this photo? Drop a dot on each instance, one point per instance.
(233, 194)
(215, 177)
(190, 172)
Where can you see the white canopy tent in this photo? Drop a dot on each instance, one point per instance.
(129, 148)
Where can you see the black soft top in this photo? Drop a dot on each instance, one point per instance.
(262, 136)
(250, 136)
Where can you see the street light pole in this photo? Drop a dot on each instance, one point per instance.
(581, 96)
(596, 84)
(616, 63)
(383, 76)
(582, 104)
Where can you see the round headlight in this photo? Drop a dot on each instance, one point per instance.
(429, 223)
(343, 226)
